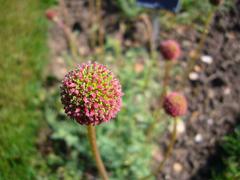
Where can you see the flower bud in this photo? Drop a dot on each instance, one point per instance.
(50, 14)
(175, 104)
(170, 50)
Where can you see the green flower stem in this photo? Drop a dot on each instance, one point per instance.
(166, 78)
(197, 51)
(168, 67)
(168, 152)
(95, 151)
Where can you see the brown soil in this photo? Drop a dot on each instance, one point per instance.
(213, 102)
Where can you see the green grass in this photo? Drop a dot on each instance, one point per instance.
(23, 53)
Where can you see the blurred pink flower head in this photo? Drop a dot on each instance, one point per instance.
(175, 104)
(170, 50)
(50, 14)
(91, 94)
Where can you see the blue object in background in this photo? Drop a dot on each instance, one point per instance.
(171, 5)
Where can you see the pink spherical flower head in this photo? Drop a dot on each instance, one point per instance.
(91, 94)
(175, 104)
(170, 50)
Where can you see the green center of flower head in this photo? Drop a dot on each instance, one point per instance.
(93, 94)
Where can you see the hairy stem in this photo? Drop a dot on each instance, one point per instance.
(95, 151)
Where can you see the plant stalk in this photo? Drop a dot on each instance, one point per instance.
(92, 18)
(95, 151)
(166, 78)
(100, 25)
(168, 152)
(72, 41)
(149, 27)
(169, 149)
(197, 51)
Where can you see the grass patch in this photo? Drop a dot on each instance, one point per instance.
(22, 55)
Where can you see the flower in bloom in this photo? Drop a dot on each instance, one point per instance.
(171, 5)
(91, 94)
(170, 50)
(175, 104)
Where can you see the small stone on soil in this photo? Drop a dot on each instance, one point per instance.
(177, 167)
(210, 121)
(211, 93)
(197, 68)
(227, 91)
(207, 59)
(198, 138)
(181, 128)
(193, 76)
(231, 35)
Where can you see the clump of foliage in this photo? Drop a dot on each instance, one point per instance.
(129, 8)
(229, 165)
(191, 11)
